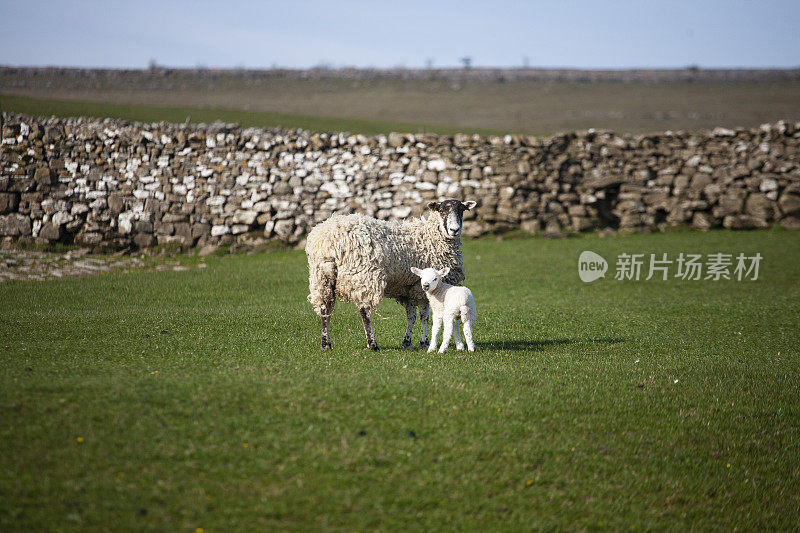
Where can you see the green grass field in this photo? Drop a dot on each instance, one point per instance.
(179, 114)
(173, 401)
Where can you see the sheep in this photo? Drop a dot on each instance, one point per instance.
(360, 259)
(448, 304)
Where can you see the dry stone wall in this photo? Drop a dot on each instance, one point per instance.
(114, 184)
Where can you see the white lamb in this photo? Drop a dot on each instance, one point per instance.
(448, 304)
(361, 259)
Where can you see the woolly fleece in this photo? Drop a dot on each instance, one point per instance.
(364, 259)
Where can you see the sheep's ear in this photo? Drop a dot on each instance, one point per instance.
(433, 205)
(416, 271)
(470, 204)
(445, 271)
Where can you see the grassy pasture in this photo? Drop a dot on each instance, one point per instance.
(392, 104)
(200, 399)
(179, 114)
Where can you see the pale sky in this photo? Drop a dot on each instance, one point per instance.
(576, 34)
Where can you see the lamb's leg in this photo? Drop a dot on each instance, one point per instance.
(457, 337)
(468, 323)
(423, 319)
(437, 325)
(411, 317)
(365, 318)
(448, 332)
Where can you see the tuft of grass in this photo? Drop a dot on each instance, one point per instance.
(200, 399)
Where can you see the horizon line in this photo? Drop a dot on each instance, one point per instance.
(324, 67)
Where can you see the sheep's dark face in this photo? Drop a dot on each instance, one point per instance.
(451, 213)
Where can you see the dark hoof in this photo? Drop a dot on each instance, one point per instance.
(407, 345)
(373, 347)
(423, 345)
(326, 347)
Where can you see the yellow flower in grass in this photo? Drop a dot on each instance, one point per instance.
(80, 441)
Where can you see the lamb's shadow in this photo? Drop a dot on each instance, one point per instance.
(541, 345)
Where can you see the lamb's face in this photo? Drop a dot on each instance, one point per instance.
(429, 278)
(451, 214)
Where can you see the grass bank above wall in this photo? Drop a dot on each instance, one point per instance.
(261, 119)
(200, 399)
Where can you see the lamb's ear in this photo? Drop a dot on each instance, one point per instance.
(416, 271)
(470, 204)
(433, 205)
(445, 271)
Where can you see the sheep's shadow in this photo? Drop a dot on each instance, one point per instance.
(541, 345)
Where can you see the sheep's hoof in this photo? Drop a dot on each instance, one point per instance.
(407, 344)
(459, 347)
(431, 350)
(423, 345)
(373, 347)
(327, 346)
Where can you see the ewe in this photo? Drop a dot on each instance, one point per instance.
(448, 304)
(361, 260)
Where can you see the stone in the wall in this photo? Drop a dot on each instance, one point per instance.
(116, 202)
(219, 230)
(15, 225)
(742, 222)
(44, 176)
(144, 240)
(702, 221)
(246, 217)
(759, 206)
(699, 182)
(9, 202)
(89, 238)
(199, 229)
(143, 226)
(183, 231)
(789, 203)
(51, 231)
(730, 203)
(581, 223)
(283, 229)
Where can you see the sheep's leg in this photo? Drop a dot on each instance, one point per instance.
(457, 337)
(448, 332)
(326, 321)
(411, 317)
(423, 320)
(437, 325)
(326, 339)
(372, 344)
